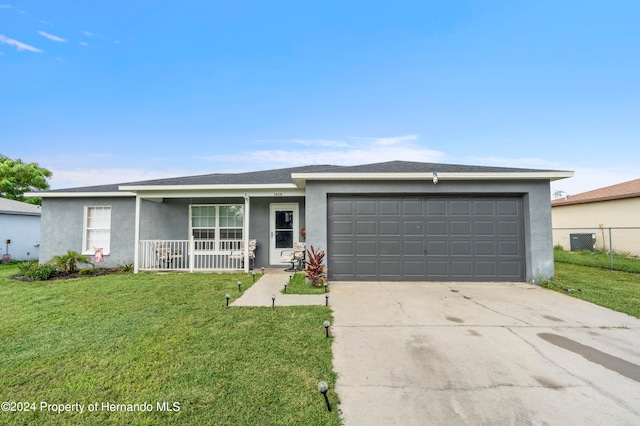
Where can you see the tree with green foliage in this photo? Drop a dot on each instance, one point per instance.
(17, 177)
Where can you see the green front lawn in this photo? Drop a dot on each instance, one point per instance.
(297, 285)
(156, 338)
(598, 259)
(615, 290)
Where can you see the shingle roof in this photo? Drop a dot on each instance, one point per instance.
(283, 176)
(630, 189)
(247, 178)
(416, 167)
(17, 207)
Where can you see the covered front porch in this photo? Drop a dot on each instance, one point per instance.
(215, 230)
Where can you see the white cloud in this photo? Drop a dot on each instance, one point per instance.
(395, 140)
(52, 37)
(19, 45)
(93, 176)
(88, 34)
(45, 22)
(590, 178)
(584, 179)
(523, 163)
(83, 43)
(356, 151)
(319, 142)
(8, 6)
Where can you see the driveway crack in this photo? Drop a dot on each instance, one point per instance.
(400, 306)
(488, 308)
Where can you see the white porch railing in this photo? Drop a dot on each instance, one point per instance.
(189, 255)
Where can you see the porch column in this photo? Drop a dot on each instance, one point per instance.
(136, 238)
(246, 232)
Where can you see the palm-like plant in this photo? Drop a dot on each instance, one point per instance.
(69, 261)
(314, 270)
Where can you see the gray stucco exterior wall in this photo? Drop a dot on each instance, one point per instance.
(536, 205)
(61, 227)
(62, 223)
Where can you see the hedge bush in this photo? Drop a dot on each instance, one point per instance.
(41, 272)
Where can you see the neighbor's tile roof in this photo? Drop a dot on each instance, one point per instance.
(279, 176)
(629, 189)
(18, 207)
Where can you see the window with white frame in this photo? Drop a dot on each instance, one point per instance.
(97, 229)
(217, 227)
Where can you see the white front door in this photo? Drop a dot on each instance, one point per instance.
(283, 229)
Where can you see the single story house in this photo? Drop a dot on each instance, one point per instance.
(19, 230)
(591, 213)
(392, 221)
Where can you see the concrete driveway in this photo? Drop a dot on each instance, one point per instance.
(481, 353)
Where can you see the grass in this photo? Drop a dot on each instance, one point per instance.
(598, 259)
(615, 290)
(297, 285)
(151, 338)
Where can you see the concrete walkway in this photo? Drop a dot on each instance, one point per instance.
(271, 283)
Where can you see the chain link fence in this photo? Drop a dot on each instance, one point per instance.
(617, 242)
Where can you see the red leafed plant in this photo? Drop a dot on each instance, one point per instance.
(314, 270)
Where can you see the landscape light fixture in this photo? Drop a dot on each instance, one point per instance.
(240, 286)
(323, 388)
(326, 327)
(326, 286)
(228, 296)
(273, 301)
(253, 275)
(435, 178)
(262, 270)
(326, 299)
(285, 286)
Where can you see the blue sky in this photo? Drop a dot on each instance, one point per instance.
(106, 92)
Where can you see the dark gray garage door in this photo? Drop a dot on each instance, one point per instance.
(409, 238)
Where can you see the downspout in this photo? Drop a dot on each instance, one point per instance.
(136, 238)
(246, 232)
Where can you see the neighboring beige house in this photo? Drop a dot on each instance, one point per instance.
(616, 206)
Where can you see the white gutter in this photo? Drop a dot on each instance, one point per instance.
(301, 178)
(215, 187)
(78, 194)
